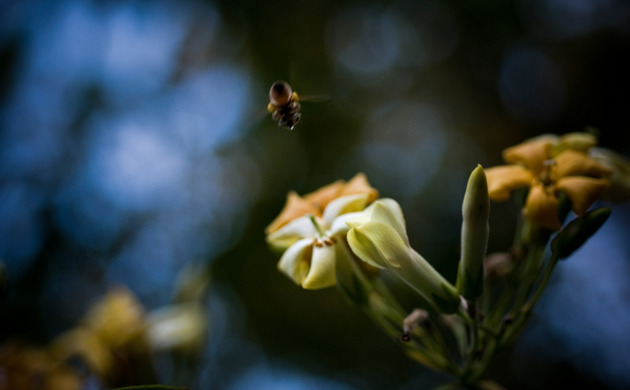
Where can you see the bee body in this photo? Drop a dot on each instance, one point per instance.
(284, 105)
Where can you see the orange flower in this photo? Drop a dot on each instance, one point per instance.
(315, 202)
(549, 165)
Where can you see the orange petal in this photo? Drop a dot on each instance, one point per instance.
(572, 163)
(321, 197)
(532, 153)
(578, 141)
(583, 191)
(504, 179)
(360, 185)
(295, 207)
(541, 208)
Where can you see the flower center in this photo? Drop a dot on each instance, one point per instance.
(318, 227)
(545, 176)
(324, 241)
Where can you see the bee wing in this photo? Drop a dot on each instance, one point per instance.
(314, 98)
(259, 115)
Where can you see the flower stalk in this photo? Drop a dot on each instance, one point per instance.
(345, 235)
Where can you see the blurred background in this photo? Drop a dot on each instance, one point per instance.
(134, 143)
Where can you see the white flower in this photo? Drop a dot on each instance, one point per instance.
(310, 242)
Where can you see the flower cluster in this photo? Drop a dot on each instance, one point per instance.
(341, 233)
(550, 165)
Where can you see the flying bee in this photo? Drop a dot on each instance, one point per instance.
(284, 104)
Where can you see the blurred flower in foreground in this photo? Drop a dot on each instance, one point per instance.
(307, 227)
(27, 368)
(378, 236)
(112, 333)
(619, 190)
(116, 337)
(181, 327)
(550, 165)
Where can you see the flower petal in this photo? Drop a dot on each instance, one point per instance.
(340, 224)
(578, 141)
(541, 208)
(117, 319)
(178, 326)
(295, 207)
(295, 262)
(503, 179)
(378, 244)
(388, 211)
(532, 153)
(321, 197)
(343, 205)
(322, 271)
(81, 342)
(583, 191)
(288, 234)
(619, 190)
(362, 246)
(360, 185)
(572, 163)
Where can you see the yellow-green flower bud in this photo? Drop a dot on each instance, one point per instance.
(379, 238)
(474, 236)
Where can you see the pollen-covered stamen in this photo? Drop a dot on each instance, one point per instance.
(323, 239)
(545, 177)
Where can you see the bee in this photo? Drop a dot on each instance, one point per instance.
(284, 105)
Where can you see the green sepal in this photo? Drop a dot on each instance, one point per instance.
(446, 305)
(576, 232)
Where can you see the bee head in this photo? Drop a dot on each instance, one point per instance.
(280, 93)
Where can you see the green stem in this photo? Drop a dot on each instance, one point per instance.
(526, 309)
(543, 284)
(516, 301)
(384, 310)
(528, 278)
